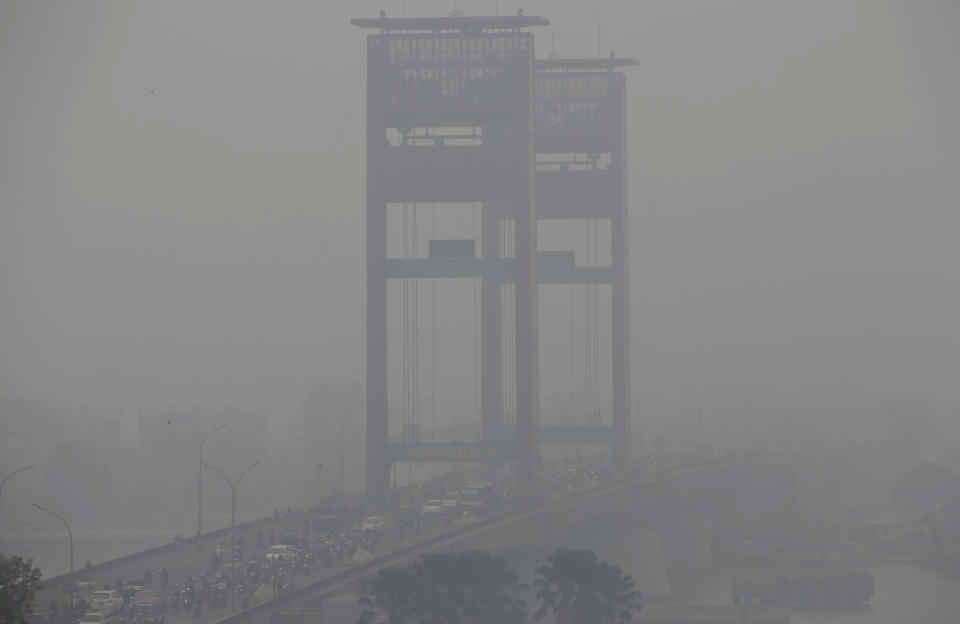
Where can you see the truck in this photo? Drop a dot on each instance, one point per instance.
(106, 600)
(477, 496)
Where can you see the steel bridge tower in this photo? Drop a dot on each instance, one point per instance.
(466, 84)
(580, 129)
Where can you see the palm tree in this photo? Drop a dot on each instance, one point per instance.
(392, 594)
(456, 588)
(578, 589)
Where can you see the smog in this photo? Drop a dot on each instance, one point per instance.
(575, 311)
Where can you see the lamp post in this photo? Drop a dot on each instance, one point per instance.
(456, 410)
(4, 482)
(203, 441)
(343, 419)
(233, 523)
(319, 485)
(636, 398)
(699, 417)
(568, 417)
(69, 532)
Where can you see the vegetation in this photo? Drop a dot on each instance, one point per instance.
(458, 588)
(18, 582)
(478, 588)
(927, 487)
(577, 589)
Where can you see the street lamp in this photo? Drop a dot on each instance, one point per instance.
(319, 485)
(343, 419)
(568, 417)
(233, 523)
(699, 417)
(69, 532)
(457, 409)
(4, 482)
(203, 441)
(636, 398)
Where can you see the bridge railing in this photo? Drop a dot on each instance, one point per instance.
(85, 573)
(362, 569)
(398, 556)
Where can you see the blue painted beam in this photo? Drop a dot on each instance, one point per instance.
(500, 268)
(449, 451)
(577, 433)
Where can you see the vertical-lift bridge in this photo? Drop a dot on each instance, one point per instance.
(557, 126)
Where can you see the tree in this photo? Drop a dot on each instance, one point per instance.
(578, 589)
(457, 588)
(78, 477)
(392, 596)
(927, 486)
(18, 582)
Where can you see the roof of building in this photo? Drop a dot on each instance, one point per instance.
(456, 22)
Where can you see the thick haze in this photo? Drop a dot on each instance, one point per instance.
(794, 197)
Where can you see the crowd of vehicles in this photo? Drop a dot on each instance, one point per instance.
(299, 541)
(133, 601)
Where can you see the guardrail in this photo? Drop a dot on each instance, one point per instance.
(362, 569)
(97, 568)
(81, 574)
(401, 554)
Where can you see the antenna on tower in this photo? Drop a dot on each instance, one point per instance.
(599, 45)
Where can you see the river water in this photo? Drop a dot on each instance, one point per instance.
(903, 594)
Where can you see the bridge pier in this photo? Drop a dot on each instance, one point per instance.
(687, 542)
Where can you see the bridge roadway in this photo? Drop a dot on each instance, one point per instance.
(191, 561)
(502, 529)
(179, 562)
(529, 524)
(536, 523)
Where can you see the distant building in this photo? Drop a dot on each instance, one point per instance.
(165, 432)
(242, 441)
(28, 430)
(324, 407)
(323, 410)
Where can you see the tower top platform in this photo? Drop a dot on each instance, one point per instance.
(583, 64)
(450, 24)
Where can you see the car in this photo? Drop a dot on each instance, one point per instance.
(95, 617)
(451, 501)
(144, 594)
(433, 508)
(107, 601)
(374, 524)
(132, 588)
(279, 552)
(137, 583)
(477, 496)
(149, 610)
(290, 536)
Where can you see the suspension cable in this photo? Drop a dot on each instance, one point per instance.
(433, 339)
(475, 286)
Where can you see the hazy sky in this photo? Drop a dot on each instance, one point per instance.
(794, 192)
